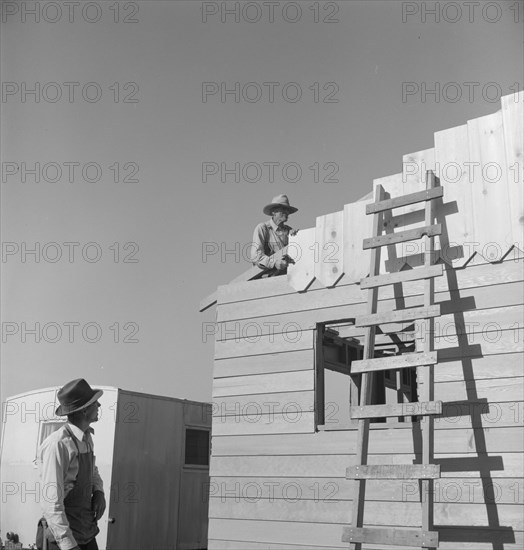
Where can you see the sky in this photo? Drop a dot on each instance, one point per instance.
(141, 140)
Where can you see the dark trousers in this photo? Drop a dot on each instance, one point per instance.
(91, 545)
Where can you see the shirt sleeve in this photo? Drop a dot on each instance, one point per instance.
(55, 460)
(260, 257)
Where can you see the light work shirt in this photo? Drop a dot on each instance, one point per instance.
(268, 238)
(58, 461)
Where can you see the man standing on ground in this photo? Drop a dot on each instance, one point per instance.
(76, 501)
(271, 236)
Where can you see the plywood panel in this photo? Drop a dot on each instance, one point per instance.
(329, 247)
(357, 227)
(474, 490)
(490, 197)
(291, 421)
(264, 364)
(272, 403)
(382, 441)
(452, 167)
(496, 466)
(512, 116)
(290, 340)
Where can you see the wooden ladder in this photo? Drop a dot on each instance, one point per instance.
(356, 533)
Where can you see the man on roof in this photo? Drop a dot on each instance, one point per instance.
(271, 236)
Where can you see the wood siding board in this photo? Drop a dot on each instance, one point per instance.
(405, 514)
(500, 466)
(263, 364)
(473, 490)
(357, 226)
(382, 441)
(468, 278)
(272, 403)
(512, 116)
(264, 383)
(490, 197)
(301, 274)
(288, 422)
(322, 535)
(329, 248)
(272, 343)
(451, 164)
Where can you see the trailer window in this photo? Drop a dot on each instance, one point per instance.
(197, 447)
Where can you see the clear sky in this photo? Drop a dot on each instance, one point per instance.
(132, 92)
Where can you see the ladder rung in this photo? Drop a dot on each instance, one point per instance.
(402, 276)
(394, 471)
(398, 316)
(392, 536)
(422, 408)
(405, 200)
(403, 236)
(404, 361)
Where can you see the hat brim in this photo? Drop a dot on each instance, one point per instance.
(269, 207)
(60, 411)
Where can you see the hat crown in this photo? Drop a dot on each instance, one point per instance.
(75, 395)
(281, 199)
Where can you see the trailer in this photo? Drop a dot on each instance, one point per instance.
(372, 401)
(153, 456)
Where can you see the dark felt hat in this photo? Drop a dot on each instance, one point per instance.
(75, 396)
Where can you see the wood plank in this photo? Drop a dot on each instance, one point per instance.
(453, 169)
(465, 468)
(403, 236)
(264, 364)
(301, 274)
(401, 514)
(512, 117)
(414, 172)
(478, 299)
(402, 276)
(329, 248)
(396, 362)
(357, 226)
(251, 406)
(490, 197)
(395, 537)
(405, 200)
(291, 421)
(473, 490)
(382, 441)
(245, 303)
(264, 383)
(398, 316)
(423, 408)
(272, 343)
(394, 471)
(281, 534)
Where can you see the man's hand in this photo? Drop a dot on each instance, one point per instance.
(281, 265)
(98, 504)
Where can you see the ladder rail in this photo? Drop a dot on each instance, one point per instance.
(356, 534)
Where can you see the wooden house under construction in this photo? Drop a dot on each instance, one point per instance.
(373, 397)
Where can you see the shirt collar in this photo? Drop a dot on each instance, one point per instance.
(274, 226)
(78, 433)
